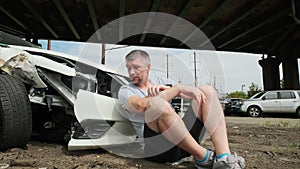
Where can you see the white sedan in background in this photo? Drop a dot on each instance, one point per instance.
(277, 101)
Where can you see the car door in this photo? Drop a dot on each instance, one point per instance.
(270, 102)
(288, 101)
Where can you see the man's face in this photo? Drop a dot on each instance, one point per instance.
(137, 70)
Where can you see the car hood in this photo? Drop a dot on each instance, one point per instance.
(102, 67)
(18, 62)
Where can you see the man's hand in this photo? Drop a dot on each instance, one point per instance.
(154, 90)
(192, 93)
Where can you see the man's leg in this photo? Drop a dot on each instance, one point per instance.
(213, 118)
(164, 119)
(159, 149)
(211, 113)
(160, 117)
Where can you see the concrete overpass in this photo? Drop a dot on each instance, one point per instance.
(269, 27)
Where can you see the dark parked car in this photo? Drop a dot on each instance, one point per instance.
(232, 105)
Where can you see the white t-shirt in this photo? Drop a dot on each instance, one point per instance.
(137, 119)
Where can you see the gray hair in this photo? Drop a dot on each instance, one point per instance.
(138, 53)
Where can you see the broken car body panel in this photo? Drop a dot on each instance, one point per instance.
(87, 97)
(18, 64)
(93, 108)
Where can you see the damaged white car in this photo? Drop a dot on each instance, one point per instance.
(44, 95)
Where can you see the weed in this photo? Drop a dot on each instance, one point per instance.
(293, 147)
(268, 123)
(284, 124)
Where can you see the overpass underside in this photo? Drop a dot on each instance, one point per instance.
(271, 73)
(270, 27)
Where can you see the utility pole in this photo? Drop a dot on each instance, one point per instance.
(214, 82)
(243, 88)
(167, 66)
(103, 54)
(195, 69)
(49, 45)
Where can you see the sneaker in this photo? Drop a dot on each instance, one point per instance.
(230, 162)
(208, 164)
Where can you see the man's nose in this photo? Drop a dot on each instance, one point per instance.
(131, 72)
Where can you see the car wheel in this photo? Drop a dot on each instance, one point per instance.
(254, 111)
(298, 112)
(15, 113)
(227, 113)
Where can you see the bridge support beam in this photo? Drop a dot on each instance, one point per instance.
(270, 71)
(290, 73)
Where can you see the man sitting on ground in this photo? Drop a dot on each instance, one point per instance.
(145, 102)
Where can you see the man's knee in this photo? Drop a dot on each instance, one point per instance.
(209, 91)
(155, 119)
(157, 109)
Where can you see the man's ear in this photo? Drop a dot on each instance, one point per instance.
(148, 67)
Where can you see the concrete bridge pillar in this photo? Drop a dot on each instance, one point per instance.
(270, 70)
(290, 73)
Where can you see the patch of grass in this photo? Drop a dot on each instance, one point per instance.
(293, 147)
(267, 123)
(284, 124)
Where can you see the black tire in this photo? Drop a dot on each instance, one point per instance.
(298, 112)
(15, 113)
(227, 113)
(254, 111)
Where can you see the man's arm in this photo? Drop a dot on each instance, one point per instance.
(137, 104)
(186, 92)
(169, 93)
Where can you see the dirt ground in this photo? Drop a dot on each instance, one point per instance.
(265, 143)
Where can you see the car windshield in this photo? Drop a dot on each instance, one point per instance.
(124, 80)
(257, 95)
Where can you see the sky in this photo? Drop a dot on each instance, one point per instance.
(226, 71)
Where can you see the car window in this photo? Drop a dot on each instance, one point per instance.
(287, 95)
(298, 94)
(227, 100)
(271, 95)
